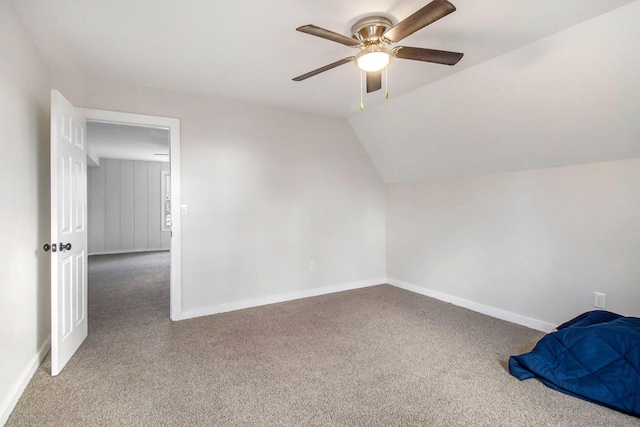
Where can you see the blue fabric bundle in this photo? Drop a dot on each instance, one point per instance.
(595, 356)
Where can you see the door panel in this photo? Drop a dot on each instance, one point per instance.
(68, 227)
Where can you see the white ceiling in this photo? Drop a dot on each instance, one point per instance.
(543, 83)
(116, 141)
(250, 51)
(568, 99)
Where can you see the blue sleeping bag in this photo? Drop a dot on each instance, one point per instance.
(595, 356)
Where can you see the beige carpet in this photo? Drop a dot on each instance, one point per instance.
(378, 356)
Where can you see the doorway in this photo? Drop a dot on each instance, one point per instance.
(172, 126)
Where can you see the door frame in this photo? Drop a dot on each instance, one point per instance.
(173, 126)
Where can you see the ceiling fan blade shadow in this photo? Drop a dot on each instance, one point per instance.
(427, 55)
(329, 35)
(435, 10)
(374, 81)
(325, 68)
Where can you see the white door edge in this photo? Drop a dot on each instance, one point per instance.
(173, 125)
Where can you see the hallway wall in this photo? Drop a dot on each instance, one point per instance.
(125, 207)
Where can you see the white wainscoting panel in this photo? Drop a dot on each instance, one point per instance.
(125, 207)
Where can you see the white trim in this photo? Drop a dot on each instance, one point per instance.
(255, 302)
(474, 306)
(480, 308)
(173, 125)
(9, 405)
(163, 200)
(129, 251)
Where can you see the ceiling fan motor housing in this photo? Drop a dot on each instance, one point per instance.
(373, 55)
(370, 30)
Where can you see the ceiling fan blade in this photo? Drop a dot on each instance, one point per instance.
(374, 81)
(427, 15)
(323, 69)
(427, 55)
(329, 35)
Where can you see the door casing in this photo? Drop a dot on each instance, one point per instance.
(173, 126)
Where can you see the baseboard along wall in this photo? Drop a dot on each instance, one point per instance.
(9, 404)
(128, 251)
(255, 302)
(471, 305)
(474, 306)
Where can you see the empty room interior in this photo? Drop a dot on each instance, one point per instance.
(286, 237)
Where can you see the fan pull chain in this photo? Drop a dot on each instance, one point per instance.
(386, 82)
(361, 100)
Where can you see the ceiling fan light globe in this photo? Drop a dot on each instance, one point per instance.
(373, 60)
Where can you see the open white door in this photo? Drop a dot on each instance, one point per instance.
(68, 231)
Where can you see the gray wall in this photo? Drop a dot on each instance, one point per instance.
(269, 192)
(537, 243)
(125, 207)
(24, 276)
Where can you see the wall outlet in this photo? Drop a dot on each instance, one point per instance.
(599, 300)
(312, 266)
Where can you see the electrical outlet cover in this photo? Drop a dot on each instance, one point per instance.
(599, 300)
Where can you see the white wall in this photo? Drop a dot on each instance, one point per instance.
(24, 276)
(268, 192)
(536, 243)
(125, 207)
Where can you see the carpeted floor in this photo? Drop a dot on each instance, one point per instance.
(378, 356)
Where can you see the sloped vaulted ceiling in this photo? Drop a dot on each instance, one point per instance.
(567, 99)
(498, 109)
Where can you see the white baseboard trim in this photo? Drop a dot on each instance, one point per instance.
(480, 308)
(273, 299)
(255, 302)
(12, 399)
(129, 251)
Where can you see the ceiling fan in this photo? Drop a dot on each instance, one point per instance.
(374, 35)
